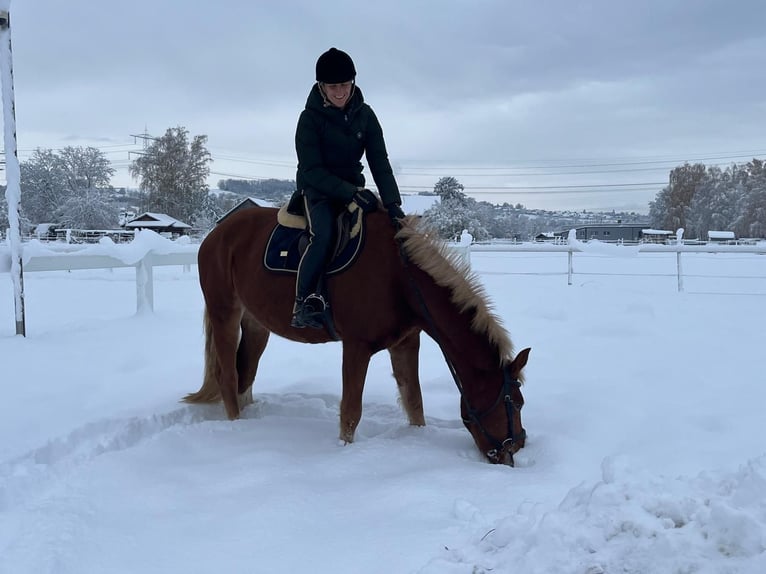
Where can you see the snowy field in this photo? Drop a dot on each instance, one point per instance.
(644, 408)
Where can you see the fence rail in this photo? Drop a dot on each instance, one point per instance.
(607, 249)
(68, 260)
(75, 258)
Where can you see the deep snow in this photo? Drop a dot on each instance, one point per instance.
(644, 409)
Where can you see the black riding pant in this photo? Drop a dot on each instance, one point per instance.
(321, 214)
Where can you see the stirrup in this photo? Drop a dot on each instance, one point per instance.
(316, 302)
(309, 312)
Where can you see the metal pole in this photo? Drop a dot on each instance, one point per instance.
(12, 170)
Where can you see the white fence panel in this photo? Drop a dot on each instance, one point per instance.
(68, 260)
(606, 249)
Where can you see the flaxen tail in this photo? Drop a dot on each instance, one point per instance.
(209, 392)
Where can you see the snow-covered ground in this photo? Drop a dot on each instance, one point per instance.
(644, 407)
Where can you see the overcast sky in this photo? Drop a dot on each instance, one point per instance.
(499, 94)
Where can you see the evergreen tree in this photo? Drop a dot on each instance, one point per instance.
(455, 212)
(173, 172)
(450, 188)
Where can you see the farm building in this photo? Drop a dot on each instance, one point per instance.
(631, 232)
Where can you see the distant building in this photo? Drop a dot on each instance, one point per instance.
(158, 222)
(631, 232)
(721, 236)
(656, 235)
(246, 203)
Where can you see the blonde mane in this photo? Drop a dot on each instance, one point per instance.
(431, 254)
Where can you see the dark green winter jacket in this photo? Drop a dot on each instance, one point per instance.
(330, 143)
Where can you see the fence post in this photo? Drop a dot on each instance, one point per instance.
(144, 285)
(571, 238)
(679, 269)
(13, 174)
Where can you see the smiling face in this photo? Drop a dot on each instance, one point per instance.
(338, 94)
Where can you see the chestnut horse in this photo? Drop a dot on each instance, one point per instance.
(402, 283)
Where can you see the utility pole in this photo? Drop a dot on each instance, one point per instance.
(146, 142)
(13, 172)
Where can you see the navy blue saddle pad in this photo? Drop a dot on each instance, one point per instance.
(286, 245)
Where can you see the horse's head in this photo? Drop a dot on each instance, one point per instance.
(497, 430)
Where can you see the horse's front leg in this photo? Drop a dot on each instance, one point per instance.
(404, 361)
(356, 359)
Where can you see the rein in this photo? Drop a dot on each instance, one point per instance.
(474, 416)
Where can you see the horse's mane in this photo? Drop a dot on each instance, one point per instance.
(431, 254)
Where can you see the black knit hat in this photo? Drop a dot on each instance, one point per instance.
(335, 67)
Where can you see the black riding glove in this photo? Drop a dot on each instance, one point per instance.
(395, 212)
(366, 200)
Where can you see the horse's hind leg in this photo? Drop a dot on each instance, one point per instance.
(404, 361)
(251, 346)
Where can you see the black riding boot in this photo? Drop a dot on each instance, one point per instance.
(309, 306)
(308, 312)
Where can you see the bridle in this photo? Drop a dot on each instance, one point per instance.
(500, 449)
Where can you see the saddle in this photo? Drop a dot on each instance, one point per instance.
(290, 237)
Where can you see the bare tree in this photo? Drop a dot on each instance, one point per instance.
(173, 172)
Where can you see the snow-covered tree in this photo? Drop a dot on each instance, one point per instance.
(84, 168)
(3, 212)
(89, 209)
(174, 171)
(455, 212)
(43, 186)
(751, 208)
(449, 188)
(205, 218)
(713, 204)
(49, 180)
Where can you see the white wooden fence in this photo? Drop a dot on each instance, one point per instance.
(571, 249)
(72, 260)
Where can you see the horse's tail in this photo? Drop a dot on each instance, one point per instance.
(209, 392)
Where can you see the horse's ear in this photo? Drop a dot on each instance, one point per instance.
(519, 362)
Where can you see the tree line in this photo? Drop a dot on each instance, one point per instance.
(72, 188)
(701, 198)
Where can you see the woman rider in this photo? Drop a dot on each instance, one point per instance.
(334, 130)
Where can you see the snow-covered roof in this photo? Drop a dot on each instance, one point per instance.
(260, 202)
(720, 235)
(656, 232)
(149, 220)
